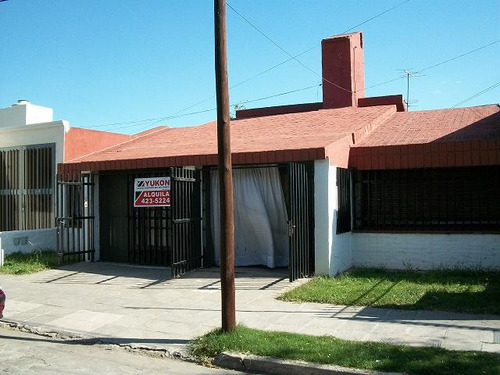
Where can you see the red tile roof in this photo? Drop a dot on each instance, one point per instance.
(353, 137)
(444, 125)
(458, 137)
(279, 138)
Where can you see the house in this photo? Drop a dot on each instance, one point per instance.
(318, 187)
(31, 146)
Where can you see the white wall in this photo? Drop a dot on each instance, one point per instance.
(24, 113)
(425, 251)
(27, 241)
(323, 213)
(332, 251)
(52, 132)
(48, 133)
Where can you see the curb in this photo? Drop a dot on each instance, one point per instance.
(233, 361)
(86, 339)
(267, 365)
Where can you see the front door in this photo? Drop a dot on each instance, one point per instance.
(301, 220)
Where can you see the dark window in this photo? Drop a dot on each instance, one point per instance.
(428, 199)
(344, 200)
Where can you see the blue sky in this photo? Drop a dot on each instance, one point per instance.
(136, 64)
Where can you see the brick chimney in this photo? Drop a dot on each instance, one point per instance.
(343, 70)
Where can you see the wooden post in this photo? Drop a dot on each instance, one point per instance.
(225, 170)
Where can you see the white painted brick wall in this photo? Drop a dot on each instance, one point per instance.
(27, 241)
(425, 251)
(333, 252)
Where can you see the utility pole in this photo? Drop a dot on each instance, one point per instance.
(225, 170)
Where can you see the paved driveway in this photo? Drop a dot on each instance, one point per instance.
(144, 307)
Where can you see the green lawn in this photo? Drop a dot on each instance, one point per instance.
(333, 351)
(21, 263)
(475, 292)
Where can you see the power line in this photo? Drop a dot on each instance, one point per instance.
(281, 94)
(376, 16)
(456, 57)
(152, 121)
(291, 58)
(284, 50)
(161, 119)
(478, 94)
(382, 83)
(431, 66)
(310, 49)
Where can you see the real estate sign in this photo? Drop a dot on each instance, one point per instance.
(152, 192)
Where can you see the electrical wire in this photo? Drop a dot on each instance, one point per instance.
(456, 57)
(276, 95)
(431, 66)
(291, 58)
(153, 121)
(285, 51)
(495, 85)
(294, 57)
(376, 16)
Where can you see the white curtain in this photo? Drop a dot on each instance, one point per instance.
(260, 218)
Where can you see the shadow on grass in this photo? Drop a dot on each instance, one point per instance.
(485, 302)
(462, 291)
(470, 301)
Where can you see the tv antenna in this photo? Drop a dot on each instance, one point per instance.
(409, 74)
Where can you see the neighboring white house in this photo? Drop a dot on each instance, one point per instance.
(31, 146)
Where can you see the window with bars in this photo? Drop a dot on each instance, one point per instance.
(444, 199)
(27, 187)
(344, 200)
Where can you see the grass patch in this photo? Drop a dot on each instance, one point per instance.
(473, 292)
(332, 351)
(25, 263)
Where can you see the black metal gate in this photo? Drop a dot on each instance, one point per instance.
(75, 218)
(149, 230)
(301, 220)
(185, 220)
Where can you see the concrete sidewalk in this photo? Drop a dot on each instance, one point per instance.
(145, 308)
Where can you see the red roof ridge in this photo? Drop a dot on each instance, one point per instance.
(133, 138)
(148, 131)
(455, 109)
(365, 131)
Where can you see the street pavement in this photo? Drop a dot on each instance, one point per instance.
(24, 353)
(143, 307)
